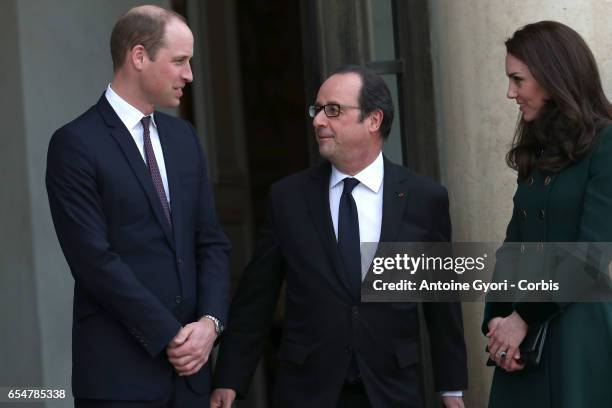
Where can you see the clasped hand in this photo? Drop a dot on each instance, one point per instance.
(505, 336)
(189, 350)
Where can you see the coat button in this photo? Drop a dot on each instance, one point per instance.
(530, 181)
(541, 214)
(524, 214)
(355, 310)
(178, 299)
(522, 248)
(547, 180)
(348, 350)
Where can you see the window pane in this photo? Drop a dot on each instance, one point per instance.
(393, 146)
(381, 30)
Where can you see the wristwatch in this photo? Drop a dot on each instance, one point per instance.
(218, 326)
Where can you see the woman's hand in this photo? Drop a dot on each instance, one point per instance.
(505, 335)
(493, 324)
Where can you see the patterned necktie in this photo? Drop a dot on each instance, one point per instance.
(153, 169)
(348, 236)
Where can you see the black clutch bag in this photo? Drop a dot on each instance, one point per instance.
(531, 347)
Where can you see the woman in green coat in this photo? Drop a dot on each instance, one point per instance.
(562, 152)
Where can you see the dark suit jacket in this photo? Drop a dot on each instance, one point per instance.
(323, 325)
(137, 281)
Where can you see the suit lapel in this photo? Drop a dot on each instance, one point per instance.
(317, 195)
(133, 157)
(394, 201)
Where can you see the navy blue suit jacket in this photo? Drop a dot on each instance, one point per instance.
(323, 325)
(137, 280)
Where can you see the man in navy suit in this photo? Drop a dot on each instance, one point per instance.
(336, 351)
(134, 213)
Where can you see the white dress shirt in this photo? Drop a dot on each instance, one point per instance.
(130, 116)
(368, 195)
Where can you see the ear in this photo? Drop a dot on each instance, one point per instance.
(375, 120)
(138, 57)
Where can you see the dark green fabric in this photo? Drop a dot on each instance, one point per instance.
(576, 367)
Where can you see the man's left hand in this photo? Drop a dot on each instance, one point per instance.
(452, 402)
(190, 348)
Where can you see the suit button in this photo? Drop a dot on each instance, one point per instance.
(541, 214)
(355, 310)
(530, 181)
(547, 180)
(524, 214)
(348, 350)
(180, 261)
(178, 299)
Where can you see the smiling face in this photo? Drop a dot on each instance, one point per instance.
(164, 77)
(524, 88)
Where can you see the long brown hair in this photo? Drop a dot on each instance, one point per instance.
(565, 129)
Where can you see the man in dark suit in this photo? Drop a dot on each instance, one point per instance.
(134, 213)
(336, 351)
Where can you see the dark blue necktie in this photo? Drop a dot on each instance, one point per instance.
(348, 237)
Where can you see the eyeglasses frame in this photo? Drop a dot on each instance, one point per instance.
(313, 110)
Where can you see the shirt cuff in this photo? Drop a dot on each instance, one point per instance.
(451, 393)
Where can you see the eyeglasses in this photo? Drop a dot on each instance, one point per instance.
(331, 109)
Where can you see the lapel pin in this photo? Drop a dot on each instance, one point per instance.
(401, 195)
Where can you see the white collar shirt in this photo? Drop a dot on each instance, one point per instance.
(130, 116)
(368, 196)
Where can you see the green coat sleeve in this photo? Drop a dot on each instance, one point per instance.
(506, 258)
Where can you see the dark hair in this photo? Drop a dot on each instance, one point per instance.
(142, 25)
(374, 94)
(565, 129)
